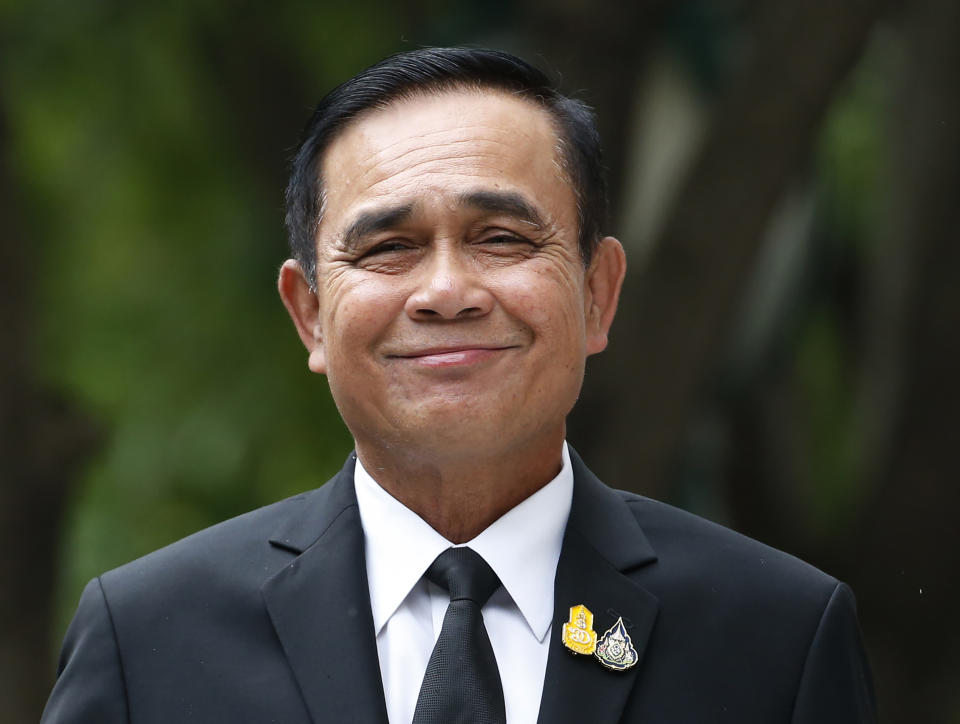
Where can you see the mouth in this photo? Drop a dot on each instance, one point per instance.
(452, 356)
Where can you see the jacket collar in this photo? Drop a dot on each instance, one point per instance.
(320, 604)
(603, 542)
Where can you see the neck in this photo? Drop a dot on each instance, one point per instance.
(459, 497)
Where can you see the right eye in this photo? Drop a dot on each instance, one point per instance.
(386, 247)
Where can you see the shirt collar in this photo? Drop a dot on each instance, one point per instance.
(522, 547)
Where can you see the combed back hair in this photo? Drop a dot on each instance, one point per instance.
(435, 70)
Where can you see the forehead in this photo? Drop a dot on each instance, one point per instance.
(433, 145)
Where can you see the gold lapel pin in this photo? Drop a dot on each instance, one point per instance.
(615, 649)
(578, 633)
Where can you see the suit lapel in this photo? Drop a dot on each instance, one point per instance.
(320, 606)
(602, 542)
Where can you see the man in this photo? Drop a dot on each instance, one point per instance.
(450, 279)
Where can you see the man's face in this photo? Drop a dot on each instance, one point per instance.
(454, 313)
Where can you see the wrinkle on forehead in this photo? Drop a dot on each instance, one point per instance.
(445, 158)
(442, 149)
(440, 141)
(398, 112)
(425, 137)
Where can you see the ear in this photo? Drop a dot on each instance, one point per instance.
(602, 291)
(303, 306)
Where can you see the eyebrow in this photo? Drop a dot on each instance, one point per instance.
(508, 203)
(370, 222)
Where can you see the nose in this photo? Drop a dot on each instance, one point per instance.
(449, 288)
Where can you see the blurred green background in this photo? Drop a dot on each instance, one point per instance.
(784, 176)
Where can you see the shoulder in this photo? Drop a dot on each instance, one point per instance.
(734, 612)
(698, 559)
(690, 560)
(233, 555)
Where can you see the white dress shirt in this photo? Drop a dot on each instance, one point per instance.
(522, 547)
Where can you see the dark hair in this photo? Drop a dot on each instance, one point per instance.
(436, 70)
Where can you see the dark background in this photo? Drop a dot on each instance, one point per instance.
(785, 179)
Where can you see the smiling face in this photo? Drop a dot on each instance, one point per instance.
(453, 314)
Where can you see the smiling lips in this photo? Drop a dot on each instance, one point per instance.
(452, 356)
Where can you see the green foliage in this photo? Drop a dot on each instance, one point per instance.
(828, 410)
(852, 154)
(851, 167)
(156, 227)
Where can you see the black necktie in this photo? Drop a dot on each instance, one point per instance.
(462, 683)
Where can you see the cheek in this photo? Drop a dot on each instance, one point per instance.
(356, 313)
(549, 301)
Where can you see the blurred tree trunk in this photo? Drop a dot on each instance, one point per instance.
(910, 546)
(602, 46)
(676, 312)
(906, 552)
(42, 443)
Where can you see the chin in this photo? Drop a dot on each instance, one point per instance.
(451, 428)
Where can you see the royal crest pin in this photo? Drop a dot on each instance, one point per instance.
(615, 649)
(578, 633)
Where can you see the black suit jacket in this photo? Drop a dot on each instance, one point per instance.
(266, 618)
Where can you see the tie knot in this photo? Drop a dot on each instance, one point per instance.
(463, 573)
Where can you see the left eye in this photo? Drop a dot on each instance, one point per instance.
(386, 247)
(505, 239)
